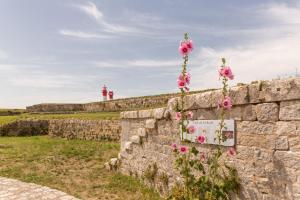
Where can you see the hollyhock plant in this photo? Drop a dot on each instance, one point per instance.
(183, 149)
(217, 180)
(191, 129)
(201, 139)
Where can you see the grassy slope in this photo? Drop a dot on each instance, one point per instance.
(75, 167)
(79, 115)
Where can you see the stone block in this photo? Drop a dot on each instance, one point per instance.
(196, 101)
(290, 110)
(260, 141)
(239, 95)
(128, 146)
(216, 95)
(279, 90)
(267, 112)
(288, 158)
(146, 113)
(130, 115)
(158, 113)
(287, 128)
(206, 114)
(253, 91)
(294, 143)
(150, 124)
(282, 143)
(249, 113)
(135, 139)
(142, 132)
(256, 128)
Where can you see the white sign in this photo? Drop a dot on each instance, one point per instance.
(208, 129)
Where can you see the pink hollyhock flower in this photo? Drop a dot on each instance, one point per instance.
(181, 83)
(178, 116)
(183, 49)
(201, 139)
(190, 114)
(226, 72)
(188, 78)
(202, 157)
(174, 146)
(227, 104)
(191, 129)
(231, 152)
(190, 45)
(183, 149)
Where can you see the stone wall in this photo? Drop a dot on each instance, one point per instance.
(25, 128)
(134, 103)
(66, 128)
(55, 108)
(267, 115)
(85, 129)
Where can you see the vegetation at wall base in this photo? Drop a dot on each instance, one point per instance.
(72, 166)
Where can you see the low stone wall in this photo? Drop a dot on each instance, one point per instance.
(25, 128)
(66, 128)
(55, 107)
(134, 103)
(267, 116)
(85, 129)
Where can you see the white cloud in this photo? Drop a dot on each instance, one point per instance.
(80, 34)
(3, 55)
(92, 11)
(265, 58)
(144, 63)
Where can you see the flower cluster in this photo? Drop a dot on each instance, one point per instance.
(183, 81)
(185, 47)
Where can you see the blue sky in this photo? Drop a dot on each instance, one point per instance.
(64, 51)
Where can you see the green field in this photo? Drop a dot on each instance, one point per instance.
(79, 115)
(75, 167)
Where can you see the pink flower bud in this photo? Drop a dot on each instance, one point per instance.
(174, 146)
(191, 129)
(190, 114)
(231, 151)
(178, 116)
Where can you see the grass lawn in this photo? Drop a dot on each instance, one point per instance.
(78, 115)
(74, 166)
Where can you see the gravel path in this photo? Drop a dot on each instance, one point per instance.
(11, 189)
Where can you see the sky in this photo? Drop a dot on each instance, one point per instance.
(64, 51)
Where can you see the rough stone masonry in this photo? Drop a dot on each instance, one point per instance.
(267, 115)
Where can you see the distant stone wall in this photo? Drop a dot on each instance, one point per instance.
(267, 116)
(55, 108)
(85, 129)
(66, 128)
(134, 103)
(25, 128)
